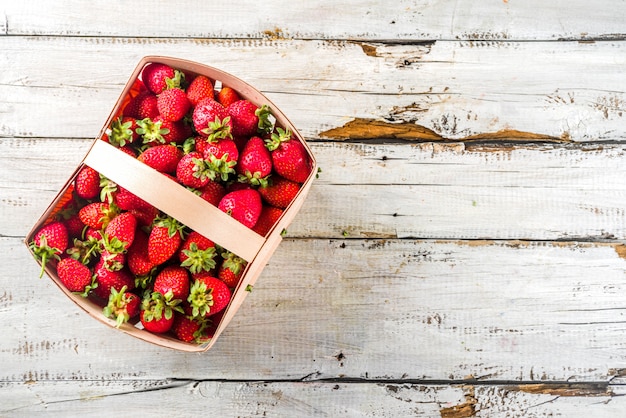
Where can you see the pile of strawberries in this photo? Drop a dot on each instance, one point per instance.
(142, 265)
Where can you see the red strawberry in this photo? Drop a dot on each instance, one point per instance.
(75, 276)
(279, 192)
(108, 280)
(145, 216)
(289, 156)
(96, 215)
(210, 118)
(123, 131)
(197, 253)
(269, 217)
(49, 243)
(174, 280)
(87, 183)
(112, 253)
(157, 313)
(164, 240)
(177, 131)
(155, 77)
(200, 88)
(227, 96)
(248, 118)
(152, 131)
(126, 200)
(173, 104)
(122, 306)
(74, 226)
(123, 228)
(137, 258)
(163, 158)
(221, 156)
(212, 192)
(255, 163)
(231, 269)
(243, 205)
(142, 106)
(188, 329)
(192, 170)
(208, 296)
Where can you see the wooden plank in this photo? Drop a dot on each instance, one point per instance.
(528, 91)
(415, 20)
(308, 399)
(428, 190)
(365, 309)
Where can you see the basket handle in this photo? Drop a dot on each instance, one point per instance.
(173, 199)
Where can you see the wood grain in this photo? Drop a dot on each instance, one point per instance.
(454, 90)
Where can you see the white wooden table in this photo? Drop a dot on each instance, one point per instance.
(463, 252)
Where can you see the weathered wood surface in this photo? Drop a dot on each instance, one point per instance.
(462, 253)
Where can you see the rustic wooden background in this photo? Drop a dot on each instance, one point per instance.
(463, 252)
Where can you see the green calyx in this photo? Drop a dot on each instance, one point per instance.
(200, 299)
(220, 168)
(173, 226)
(265, 125)
(91, 286)
(277, 138)
(199, 260)
(254, 179)
(44, 253)
(233, 262)
(151, 131)
(107, 189)
(218, 129)
(156, 306)
(120, 132)
(177, 82)
(84, 250)
(116, 307)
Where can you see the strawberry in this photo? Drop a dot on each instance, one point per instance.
(192, 170)
(75, 276)
(112, 253)
(210, 118)
(157, 312)
(158, 77)
(96, 214)
(243, 205)
(123, 228)
(173, 279)
(108, 280)
(123, 131)
(173, 131)
(200, 88)
(173, 104)
(221, 156)
(122, 306)
(248, 118)
(289, 156)
(145, 216)
(197, 253)
(164, 239)
(142, 106)
(231, 269)
(137, 257)
(227, 96)
(127, 149)
(255, 163)
(269, 216)
(163, 158)
(208, 296)
(212, 192)
(188, 329)
(125, 200)
(152, 131)
(279, 192)
(87, 183)
(49, 243)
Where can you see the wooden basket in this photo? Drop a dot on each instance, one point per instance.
(181, 204)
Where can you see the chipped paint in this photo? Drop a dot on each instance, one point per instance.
(565, 389)
(367, 128)
(463, 410)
